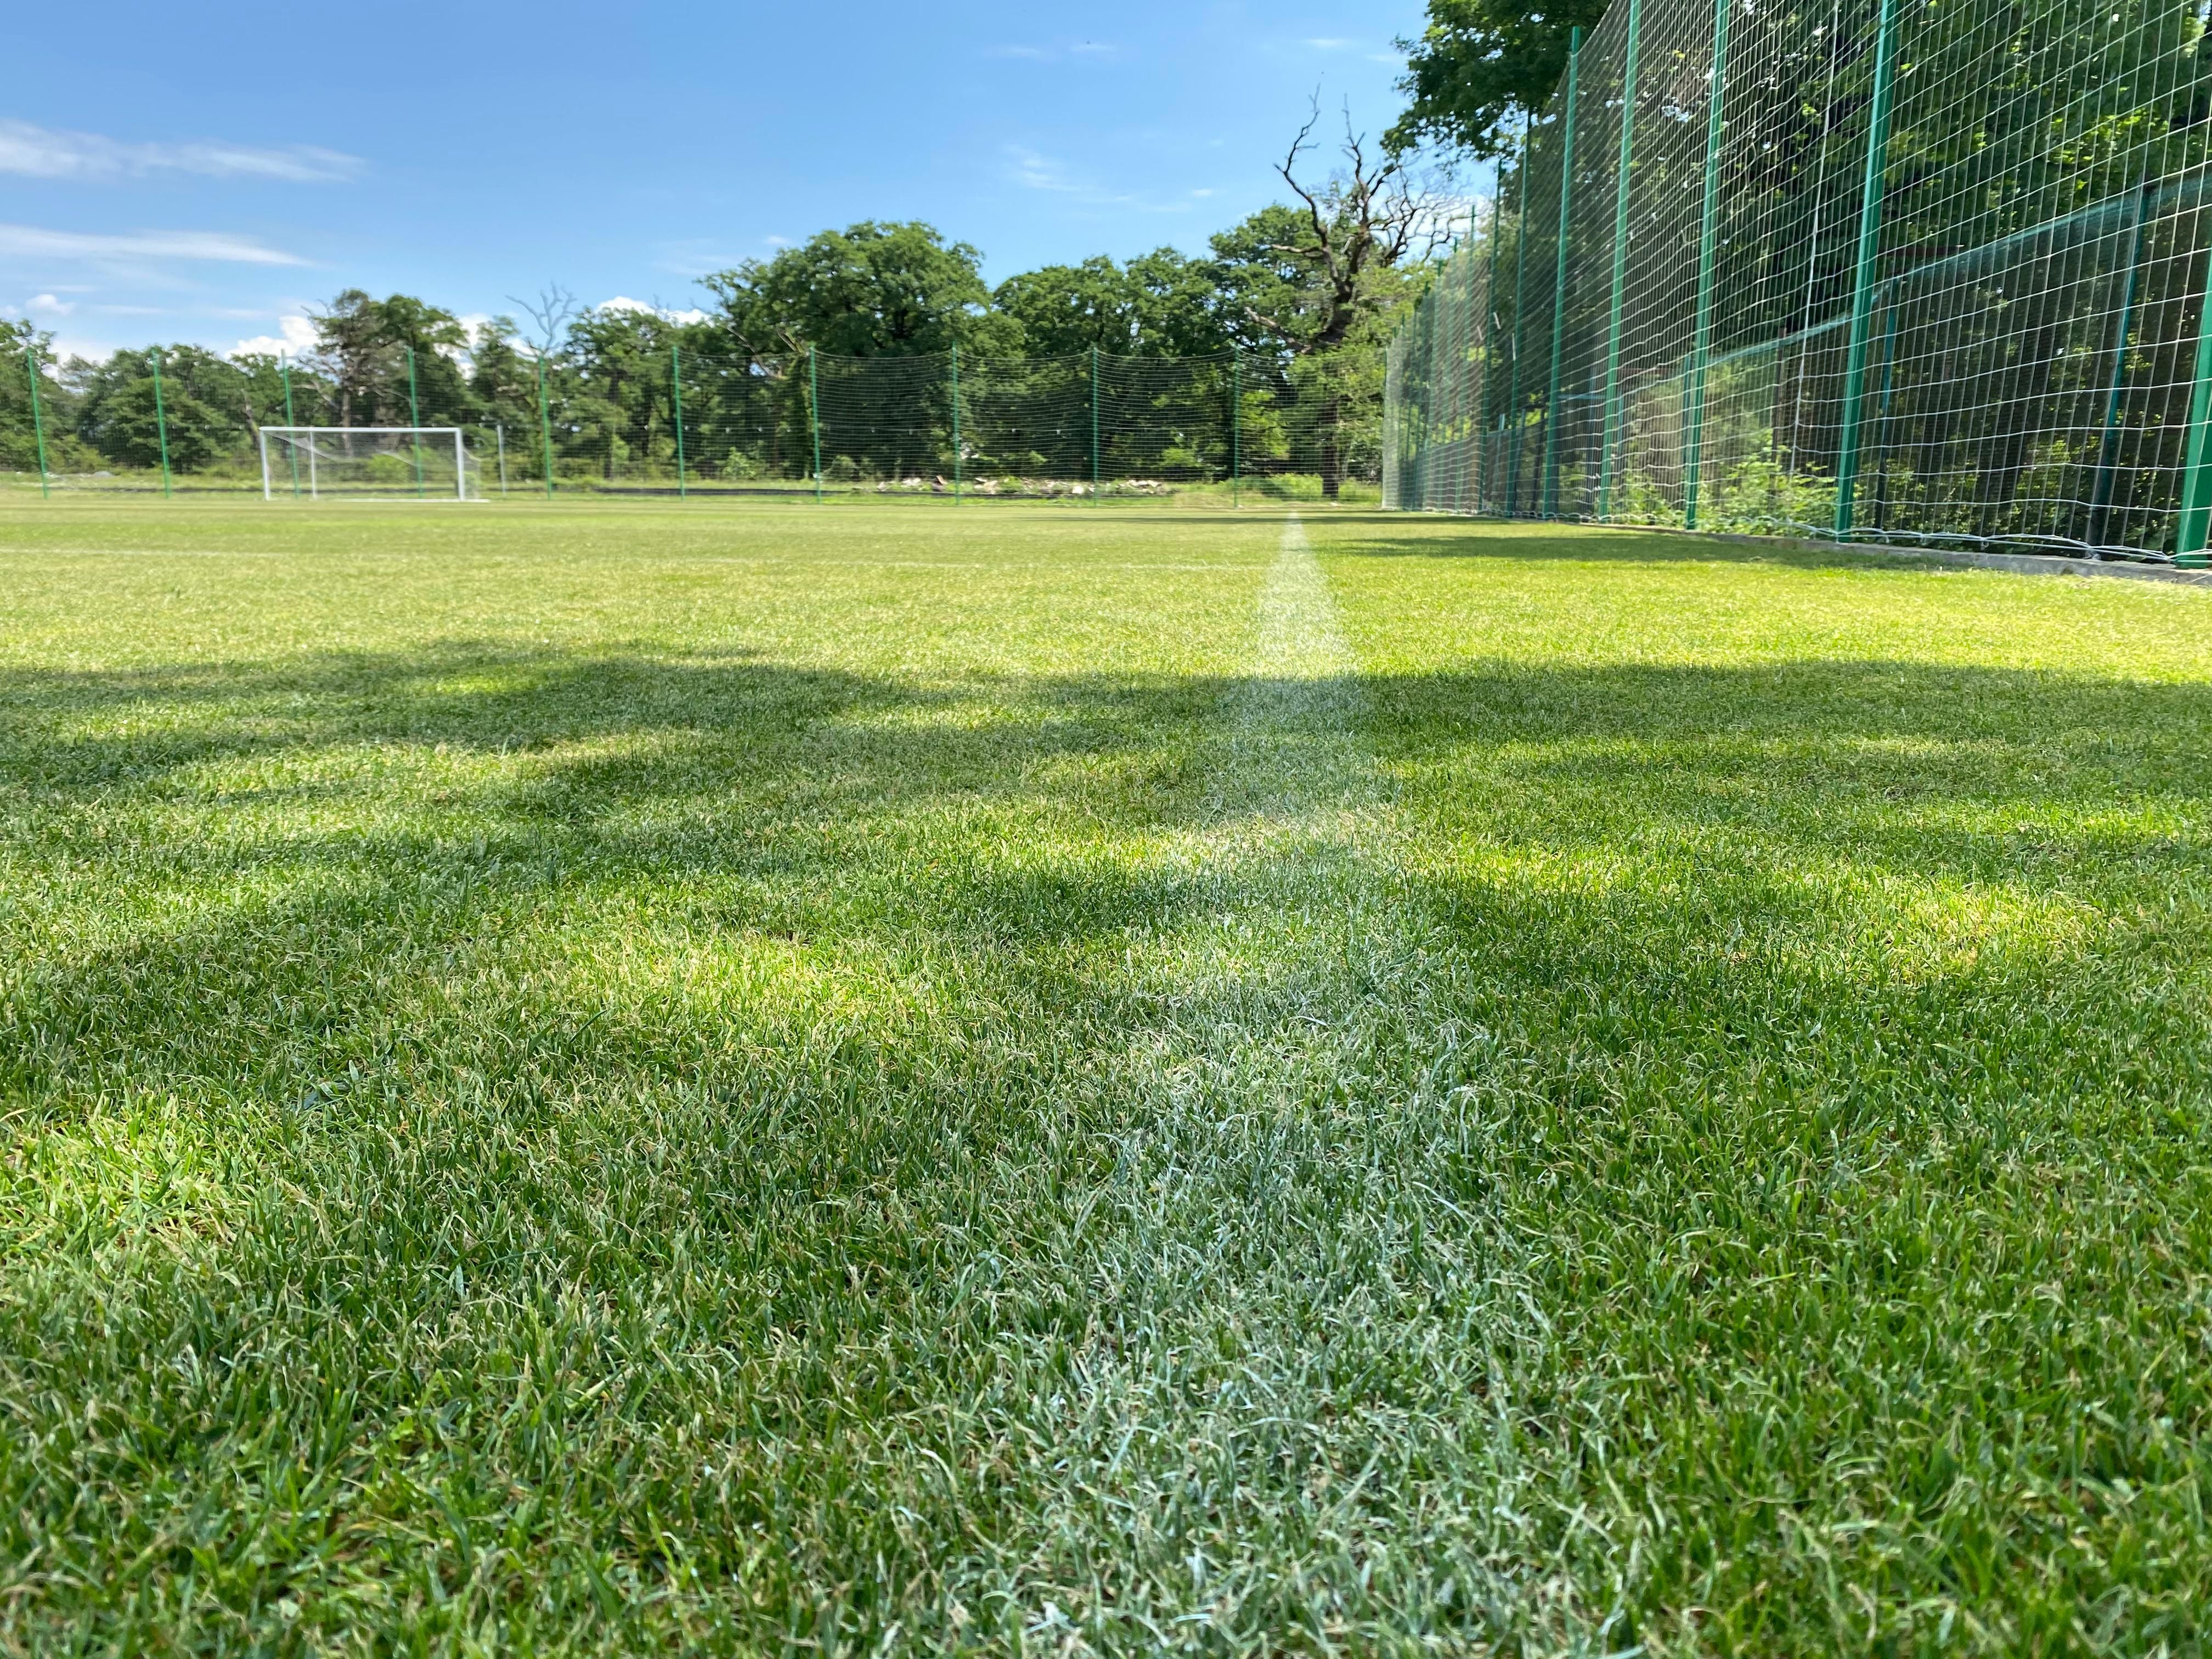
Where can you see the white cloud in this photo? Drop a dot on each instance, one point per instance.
(29, 241)
(67, 346)
(1052, 54)
(697, 258)
(1033, 171)
(623, 302)
(46, 305)
(1329, 43)
(36, 152)
(1036, 172)
(777, 241)
(296, 334)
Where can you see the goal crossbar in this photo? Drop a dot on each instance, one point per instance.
(333, 450)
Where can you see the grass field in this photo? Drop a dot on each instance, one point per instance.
(628, 1078)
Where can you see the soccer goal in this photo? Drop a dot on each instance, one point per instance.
(366, 463)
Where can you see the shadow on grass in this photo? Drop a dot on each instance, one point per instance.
(752, 1011)
(1006, 823)
(1528, 542)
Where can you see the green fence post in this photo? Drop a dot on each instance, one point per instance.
(1863, 281)
(1444, 430)
(676, 390)
(1094, 423)
(1487, 485)
(161, 421)
(1694, 458)
(2100, 498)
(956, 457)
(814, 417)
(2191, 532)
(545, 426)
(292, 445)
(1236, 426)
(1432, 399)
(1513, 410)
(1463, 433)
(415, 420)
(1882, 412)
(38, 422)
(1605, 466)
(1559, 285)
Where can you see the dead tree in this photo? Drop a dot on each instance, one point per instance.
(1363, 221)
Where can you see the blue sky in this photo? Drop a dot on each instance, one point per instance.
(206, 173)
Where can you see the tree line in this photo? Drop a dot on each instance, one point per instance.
(1302, 293)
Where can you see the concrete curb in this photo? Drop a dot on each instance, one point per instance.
(2022, 564)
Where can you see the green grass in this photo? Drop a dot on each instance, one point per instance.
(631, 1077)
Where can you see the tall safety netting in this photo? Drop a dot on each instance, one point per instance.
(1872, 270)
(959, 424)
(684, 423)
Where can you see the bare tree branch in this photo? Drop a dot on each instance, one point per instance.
(553, 310)
(1339, 243)
(1369, 215)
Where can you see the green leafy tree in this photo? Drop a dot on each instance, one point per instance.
(1177, 301)
(1480, 61)
(353, 350)
(25, 349)
(1314, 285)
(431, 340)
(870, 290)
(620, 401)
(363, 346)
(121, 417)
(502, 377)
(1066, 309)
(1159, 304)
(212, 405)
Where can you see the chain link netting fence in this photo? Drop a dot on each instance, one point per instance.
(685, 424)
(1876, 270)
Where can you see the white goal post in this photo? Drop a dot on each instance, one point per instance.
(366, 462)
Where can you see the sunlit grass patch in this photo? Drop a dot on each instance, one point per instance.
(621, 1077)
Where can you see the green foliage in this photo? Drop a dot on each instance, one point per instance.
(502, 382)
(1479, 62)
(1768, 493)
(25, 351)
(1266, 298)
(208, 400)
(1159, 304)
(2033, 258)
(393, 361)
(870, 290)
(131, 426)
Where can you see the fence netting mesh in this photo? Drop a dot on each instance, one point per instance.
(1883, 269)
(685, 422)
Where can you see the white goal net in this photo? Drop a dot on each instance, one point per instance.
(367, 463)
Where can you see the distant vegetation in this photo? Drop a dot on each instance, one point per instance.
(1307, 292)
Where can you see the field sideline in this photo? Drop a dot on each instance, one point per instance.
(617, 1078)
